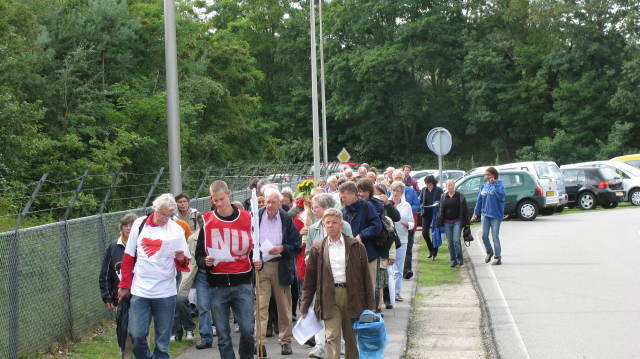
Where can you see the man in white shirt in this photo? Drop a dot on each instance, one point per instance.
(156, 249)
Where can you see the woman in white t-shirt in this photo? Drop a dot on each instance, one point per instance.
(402, 228)
(154, 252)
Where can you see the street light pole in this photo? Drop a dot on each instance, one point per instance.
(314, 92)
(173, 109)
(325, 137)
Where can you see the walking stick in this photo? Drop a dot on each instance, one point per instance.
(255, 226)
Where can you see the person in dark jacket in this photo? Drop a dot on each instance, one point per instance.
(281, 238)
(453, 216)
(110, 271)
(429, 194)
(337, 276)
(365, 223)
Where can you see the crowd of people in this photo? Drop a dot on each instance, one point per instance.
(334, 250)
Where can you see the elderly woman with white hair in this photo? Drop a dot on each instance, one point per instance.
(156, 249)
(402, 226)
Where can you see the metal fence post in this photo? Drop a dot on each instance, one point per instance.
(102, 226)
(65, 259)
(203, 183)
(13, 285)
(153, 188)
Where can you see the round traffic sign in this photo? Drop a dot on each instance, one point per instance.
(441, 142)
(430, 138)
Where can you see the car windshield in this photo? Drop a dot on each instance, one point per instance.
(548, 170)
(634, 163)
(628, 168)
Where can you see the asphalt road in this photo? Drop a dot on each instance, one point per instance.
(569, 286)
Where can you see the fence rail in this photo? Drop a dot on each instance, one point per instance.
(50, 272)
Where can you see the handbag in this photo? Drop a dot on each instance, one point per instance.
(466, 235)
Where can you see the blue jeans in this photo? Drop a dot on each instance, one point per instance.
(242, 299)
(399, 267)
(494, 224)
(204, 307)
(452, 230)
(140, 314)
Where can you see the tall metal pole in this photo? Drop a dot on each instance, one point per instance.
(173, 110)
(314, 92)
(325, 137)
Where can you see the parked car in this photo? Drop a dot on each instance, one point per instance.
(419, 176)
(524, 196)
(588, 187)
(547, 176)
(446, 175)
(632, 160)
(629, 174)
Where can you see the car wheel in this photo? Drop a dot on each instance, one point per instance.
(547, 211)
(527, 210)
(587, 200)
(634, 197)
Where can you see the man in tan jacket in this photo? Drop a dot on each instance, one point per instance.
(338, 276)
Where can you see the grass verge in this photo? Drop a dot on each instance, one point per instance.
(438, 272)
(103, 344)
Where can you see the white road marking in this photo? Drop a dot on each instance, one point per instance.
(510, 319)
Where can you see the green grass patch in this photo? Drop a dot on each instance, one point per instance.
(103, 344)
(438, 272)
(621, 205)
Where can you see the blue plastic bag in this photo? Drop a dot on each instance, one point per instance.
(436, 232)
(372, 337)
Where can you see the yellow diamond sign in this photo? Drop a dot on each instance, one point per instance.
(344, 156)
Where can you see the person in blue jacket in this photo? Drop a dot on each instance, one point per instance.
(365, 223)
(490, 206)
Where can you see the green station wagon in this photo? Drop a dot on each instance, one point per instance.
(524, 196)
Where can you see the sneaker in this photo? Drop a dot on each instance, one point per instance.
(408, 275)
(214, 332)
(286, 349)
(190, 335)
(172, 339)
(497, 262)
(399, 298)
(236, 328)
(453, 264)
(342, 348)
(487, 259)
(317, 352)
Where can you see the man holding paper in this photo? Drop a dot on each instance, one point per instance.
(338, 274)
(224, 252)
(279, 246)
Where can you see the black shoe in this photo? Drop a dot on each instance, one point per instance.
(388, 306)
(487, 259)
(453, 264)
(202, 345)
(311, 343)
(408, 275)
(269, 332)
(286, 349)
(497, 262)
(434, 257)
(430, 254)
(264, 351)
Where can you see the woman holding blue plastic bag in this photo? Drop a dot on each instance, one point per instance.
(338, 274)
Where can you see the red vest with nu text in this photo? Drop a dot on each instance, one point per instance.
(234, 236)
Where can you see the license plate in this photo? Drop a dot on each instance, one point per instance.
(620, 194)
(550, 193)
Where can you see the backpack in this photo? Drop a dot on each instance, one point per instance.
(388, 235)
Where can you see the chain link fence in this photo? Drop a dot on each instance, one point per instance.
(50, 272)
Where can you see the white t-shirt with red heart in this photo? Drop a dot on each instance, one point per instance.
(154, 273)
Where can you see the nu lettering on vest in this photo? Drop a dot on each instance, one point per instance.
(234, 236)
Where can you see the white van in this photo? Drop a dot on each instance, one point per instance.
(630, 177)
(548, 176)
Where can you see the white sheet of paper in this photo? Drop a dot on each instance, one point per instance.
(306, 327)
(220, 255)
(391, 271)
(265, 247)
(168, 249)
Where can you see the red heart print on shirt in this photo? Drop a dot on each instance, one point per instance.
(151, 246)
